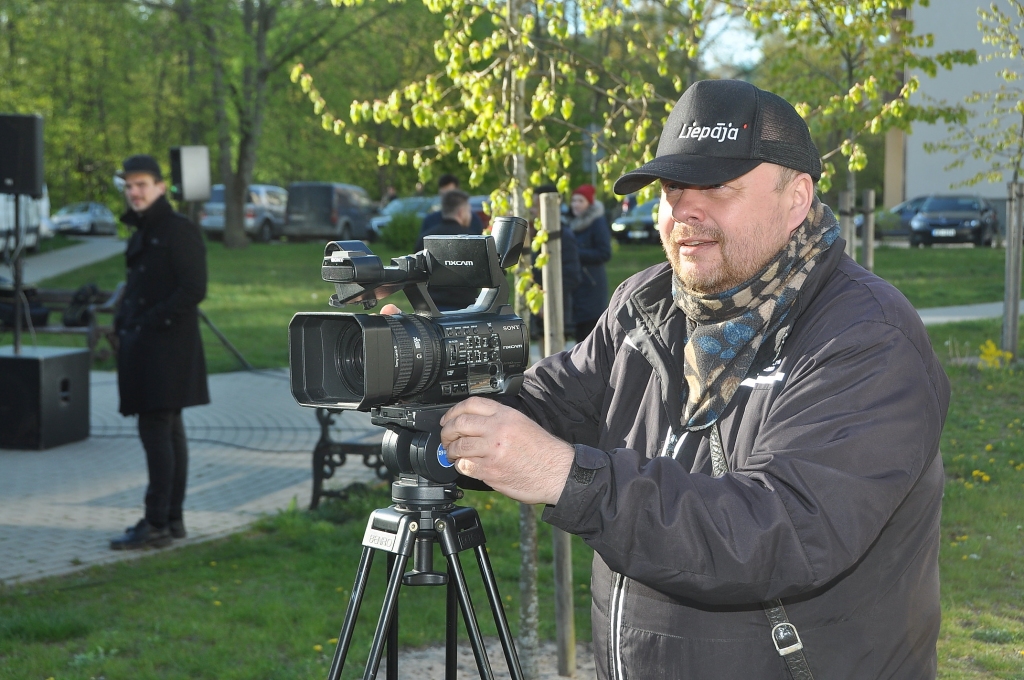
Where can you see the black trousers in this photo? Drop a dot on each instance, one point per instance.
(163, 437)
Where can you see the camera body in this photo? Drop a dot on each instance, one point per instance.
(408, 369)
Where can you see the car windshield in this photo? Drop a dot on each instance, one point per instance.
(74, 208)
(408, 204)
(950, 204)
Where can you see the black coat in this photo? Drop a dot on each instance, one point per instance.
(160, 362)
(594, 242)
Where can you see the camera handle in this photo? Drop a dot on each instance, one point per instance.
(410, 528)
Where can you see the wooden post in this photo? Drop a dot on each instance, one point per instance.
(868, 235)
(554, 341)
(1011, 294)
(846, 228)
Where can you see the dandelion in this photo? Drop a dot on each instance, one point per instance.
(213, 589)
(332, 641)
(962, 538)
(318, 648)
(968, 485)
(986, 478)
(216, 603)
(988, 447)
(339, 589)
(213, 563)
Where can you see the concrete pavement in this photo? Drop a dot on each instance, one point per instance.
(45, 265)
(250, 455)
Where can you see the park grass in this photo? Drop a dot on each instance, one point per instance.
(278, 584)
(265, 603)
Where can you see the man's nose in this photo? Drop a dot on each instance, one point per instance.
(688, 206)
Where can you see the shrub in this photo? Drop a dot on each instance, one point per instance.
(402, 231)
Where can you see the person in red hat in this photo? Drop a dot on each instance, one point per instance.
(594, 240)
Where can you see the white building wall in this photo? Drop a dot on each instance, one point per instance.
(953, 23)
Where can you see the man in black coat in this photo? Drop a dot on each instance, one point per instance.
(455, 221)
(445, 184)
(160, 364)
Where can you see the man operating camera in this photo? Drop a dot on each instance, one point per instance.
(749, 438)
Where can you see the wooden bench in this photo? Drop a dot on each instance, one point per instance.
(58, 300)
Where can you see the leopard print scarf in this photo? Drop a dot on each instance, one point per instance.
(727, 329)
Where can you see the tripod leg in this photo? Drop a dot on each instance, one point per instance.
(491, 585)
(387, 613)
(392, 631)
(451, 619)
(345, 636)
(472, 627)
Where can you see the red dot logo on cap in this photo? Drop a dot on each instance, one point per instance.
(744, 126)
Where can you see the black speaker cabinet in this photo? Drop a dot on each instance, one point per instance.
(21, 155)
(44, 397)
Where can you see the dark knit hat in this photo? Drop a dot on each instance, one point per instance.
(721, 129)
(141, 163)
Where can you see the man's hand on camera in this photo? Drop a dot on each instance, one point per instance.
(390, 309)
(506, 450)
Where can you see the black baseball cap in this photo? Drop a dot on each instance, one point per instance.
(141, 163)
(721, 129)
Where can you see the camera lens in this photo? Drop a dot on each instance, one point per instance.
(417, 352)
(349, 359)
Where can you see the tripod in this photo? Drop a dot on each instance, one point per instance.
(424, 513)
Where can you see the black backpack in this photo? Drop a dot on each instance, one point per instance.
(78, 313)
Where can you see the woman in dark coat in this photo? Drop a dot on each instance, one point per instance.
(161, 368)
(594, 243)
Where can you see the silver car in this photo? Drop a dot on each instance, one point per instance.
(418, 205)
(264, 212)
(84, 218)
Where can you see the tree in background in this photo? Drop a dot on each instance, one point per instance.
(247, 42)
(104, 78)
(999, 139)
(843, 66)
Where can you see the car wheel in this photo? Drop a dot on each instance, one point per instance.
(92, 229)
(266, 232)
(345, 233)
(915, 242)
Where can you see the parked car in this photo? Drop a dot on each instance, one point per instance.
(84, 218)
(954, 219)
(638, 225)
(264, 212)
(329, 210)
(892, 222)
(418, 205)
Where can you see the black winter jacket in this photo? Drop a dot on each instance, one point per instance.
(832, 503)
(594, 245)
(160, 361)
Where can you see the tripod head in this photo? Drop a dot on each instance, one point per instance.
(415, 492)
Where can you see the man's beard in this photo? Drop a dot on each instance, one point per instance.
(737, 264)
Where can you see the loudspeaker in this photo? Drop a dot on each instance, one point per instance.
(44, 397)
(190, 173)
(21, 155)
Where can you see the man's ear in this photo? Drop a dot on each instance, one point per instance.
(799, 197)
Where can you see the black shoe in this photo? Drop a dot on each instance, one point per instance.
(177, 528)
(142, 535)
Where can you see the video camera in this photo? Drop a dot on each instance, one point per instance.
(408, 369)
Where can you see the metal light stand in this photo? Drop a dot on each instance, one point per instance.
(424, 513)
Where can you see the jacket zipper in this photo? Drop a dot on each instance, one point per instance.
(615, 627)
(671, 449)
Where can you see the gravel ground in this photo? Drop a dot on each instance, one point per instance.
(428, 663)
